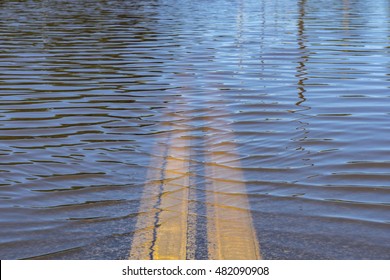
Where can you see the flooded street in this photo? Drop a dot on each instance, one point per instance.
(122, 120)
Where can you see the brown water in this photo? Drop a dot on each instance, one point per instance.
(88, 90)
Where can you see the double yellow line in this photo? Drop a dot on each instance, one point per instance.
(162, 226)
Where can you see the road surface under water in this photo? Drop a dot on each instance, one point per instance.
(121, 121)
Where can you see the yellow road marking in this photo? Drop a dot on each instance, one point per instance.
(230, 229)
(162, 226)
(143, 238)
(171, 237)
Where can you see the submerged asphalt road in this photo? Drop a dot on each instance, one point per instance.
(194, 129)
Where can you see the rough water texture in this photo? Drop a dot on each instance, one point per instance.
(89, 89)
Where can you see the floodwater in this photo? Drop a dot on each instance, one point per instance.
(90, 90)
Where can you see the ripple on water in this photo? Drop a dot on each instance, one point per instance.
(89, 88)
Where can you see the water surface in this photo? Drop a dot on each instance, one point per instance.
(89, 89)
